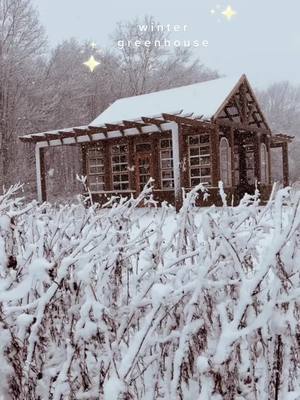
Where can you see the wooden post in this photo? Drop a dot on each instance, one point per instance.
(268, 141)
(131, 164)
(242, 186)
(232, 157)
(215, 157)
(155, 149)
(285, 164)
(176, 166)
(257, 156)
(40, 173)
(183, 157)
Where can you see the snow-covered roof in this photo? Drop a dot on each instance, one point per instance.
(204, 98)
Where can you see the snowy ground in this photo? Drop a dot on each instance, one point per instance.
(137, 303)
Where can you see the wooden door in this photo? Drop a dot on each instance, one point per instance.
(144, 170)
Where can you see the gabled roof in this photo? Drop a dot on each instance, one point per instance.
(203, 99)
(225, 102)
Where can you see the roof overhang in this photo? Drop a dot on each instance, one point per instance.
(89, 133)
(143, 125)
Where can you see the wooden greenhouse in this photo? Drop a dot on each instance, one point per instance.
(200, 133)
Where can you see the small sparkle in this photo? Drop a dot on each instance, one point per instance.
(91, 63)
(93, 45)
(229, 13)
(212, 11)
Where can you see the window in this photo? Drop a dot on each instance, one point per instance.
(166, 164)
(264, 165)
(225, 162)
(199, 159)
(250, 169)
(119, 165)
(236, 165)
(95, 169)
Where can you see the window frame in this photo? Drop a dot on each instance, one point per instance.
(123, 167)
(168, 169)
(200, 166)
(101, 155)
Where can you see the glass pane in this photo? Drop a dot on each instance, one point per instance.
(116, 168)
(204, 138)
(195, 161)
(250, 162)
(194, 151)
(194, 140)
(96, 170)
(165, 143)
(115, 159)
(205, 160)
(167, 184)
(195, 171)
(166, 154)
(167, 174)
(205, 180)
(205, 171)
(204, 150)
(124, 177)
(167, 164)
(144, 179)
(195, 181)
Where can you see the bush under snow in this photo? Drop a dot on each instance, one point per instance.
(108, 304)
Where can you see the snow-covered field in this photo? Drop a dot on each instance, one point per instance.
(144, 303)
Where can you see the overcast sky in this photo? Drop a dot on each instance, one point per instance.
(262, 40)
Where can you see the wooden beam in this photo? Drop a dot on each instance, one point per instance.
(176, 166)
(243, 100)
(65, 135)
(257, 156)
(113, 127)
(186, 121)
(134, 124)
(243, 127)
(154, 121)
(268, 142)
(232, 157)
(285, 164)
(40, 173)
(215, 157)
(25, 139)
(51, 136)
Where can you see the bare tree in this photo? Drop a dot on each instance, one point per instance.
(281, 103)
(150, 65)
(22, 40)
